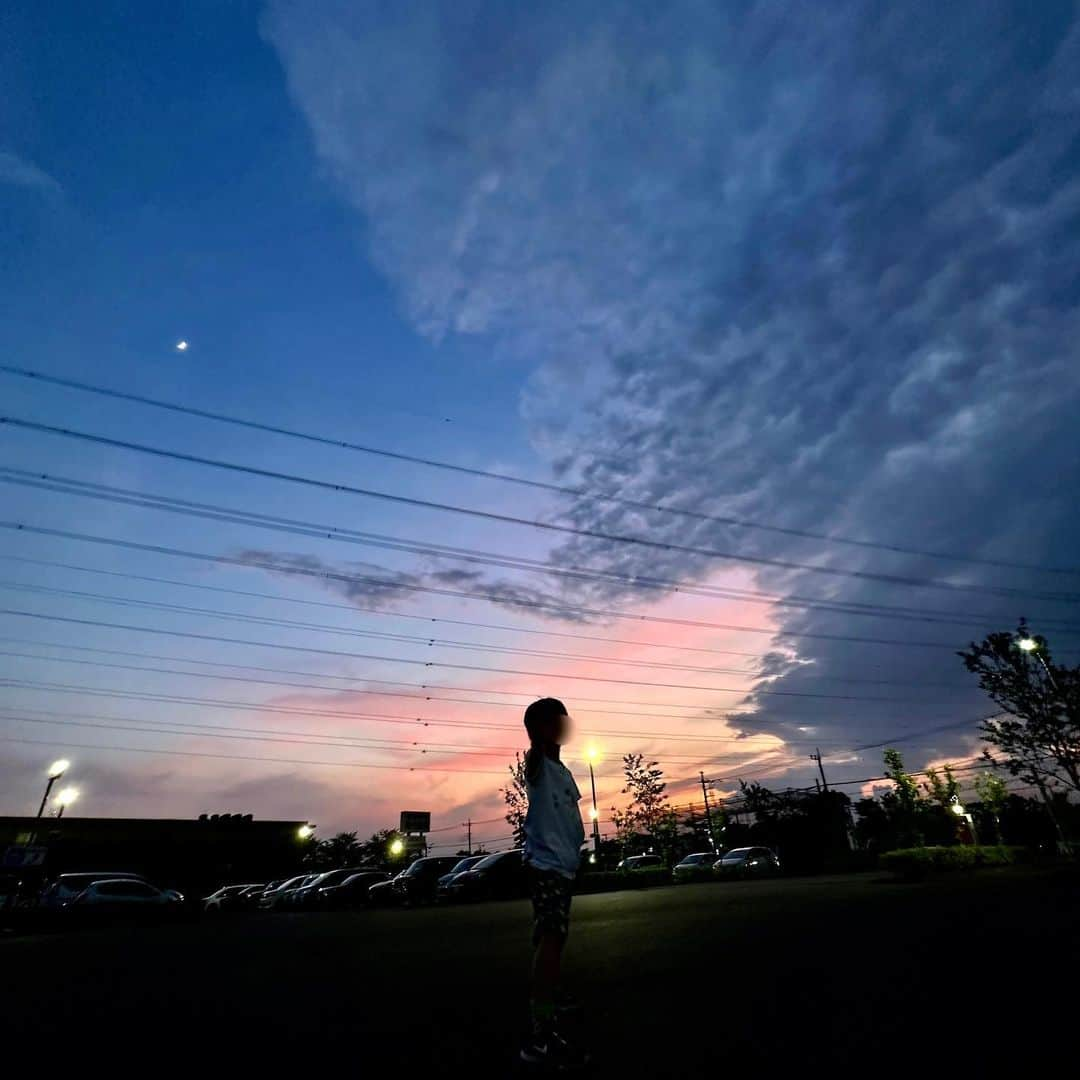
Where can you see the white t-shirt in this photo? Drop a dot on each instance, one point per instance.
(554, 832)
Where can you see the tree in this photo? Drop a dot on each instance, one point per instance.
(649, 814)
(943, 789)
(1038, 740)
(340, 850)
(903, 804)
(516, 797)
(993, 794)
(646, 787)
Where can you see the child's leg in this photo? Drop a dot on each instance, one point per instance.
(547, 967)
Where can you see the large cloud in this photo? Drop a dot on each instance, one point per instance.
(811, 264)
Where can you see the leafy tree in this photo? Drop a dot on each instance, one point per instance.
(903, 804)
(646, 787)
(993, 794)
(1038, 740)
(515, 796)
(340, 850)
(944, 789)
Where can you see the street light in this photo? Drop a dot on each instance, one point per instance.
(306, 832)
(592, 755)
(64, 798)
(1028, 644)
(397, 846)
(56, 770)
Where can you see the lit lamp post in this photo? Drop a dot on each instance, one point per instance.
(397, 847)
(56, 770)
(958, 808)
(1031, 645)
(592, 755)
(64, 798)
(306, 831)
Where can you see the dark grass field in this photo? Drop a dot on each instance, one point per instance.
(838, 975)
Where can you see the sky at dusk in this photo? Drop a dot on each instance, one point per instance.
(776, 304)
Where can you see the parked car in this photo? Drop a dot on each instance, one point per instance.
(274, 898)
(125, 896)
(384, 893)
(495, 877)
(308, 894)
(747, 862)
(416, 884)
(230, 898)
(353, 892)
(635, 863)
(443, 889)
(61, 892)
(696, 867)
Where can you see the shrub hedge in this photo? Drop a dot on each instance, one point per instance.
(914, 863)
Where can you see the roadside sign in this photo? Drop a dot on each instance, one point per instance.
(19, 856)
(415, 821)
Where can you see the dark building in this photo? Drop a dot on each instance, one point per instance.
(189, 855)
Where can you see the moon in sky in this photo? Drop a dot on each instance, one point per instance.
(181, 346)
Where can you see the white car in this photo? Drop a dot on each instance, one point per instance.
(125, 894)
(68, 886)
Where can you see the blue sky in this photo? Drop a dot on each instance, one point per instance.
(809, 267)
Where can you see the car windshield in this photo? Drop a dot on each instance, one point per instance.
(736, 854)
(491, 860)
(463, 864)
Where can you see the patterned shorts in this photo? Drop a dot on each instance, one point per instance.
(551, 894)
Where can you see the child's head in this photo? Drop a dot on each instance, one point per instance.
(547, 722)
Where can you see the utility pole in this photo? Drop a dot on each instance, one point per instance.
(468, 828)
(817, 757)
(708, 811)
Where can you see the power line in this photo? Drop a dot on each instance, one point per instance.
(559, 489)
(383, 583)
(191, 728)
(232, 515)
(512, 519)
(607, 733)
(409, 639)
(373, 717)
(246, 757)
(378, 657)
(353, 608)
(380, 682)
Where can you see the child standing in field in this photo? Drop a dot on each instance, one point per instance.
(553, 837)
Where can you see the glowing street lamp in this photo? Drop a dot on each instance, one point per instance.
(306, 831)
(56, 770)
(1028, 644)
(64, 798)
(592, 755)
(397, 847)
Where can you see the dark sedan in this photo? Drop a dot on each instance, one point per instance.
(353, 892)
(495, 877)
(459, 868)
(310, 893)
(417, 884)
(696, 867)
(747, 862)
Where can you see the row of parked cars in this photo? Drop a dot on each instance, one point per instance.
(427, 880)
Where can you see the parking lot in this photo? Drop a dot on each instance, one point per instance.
(840, 973)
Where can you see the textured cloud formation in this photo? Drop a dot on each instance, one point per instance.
(809, 264)
(22, 173)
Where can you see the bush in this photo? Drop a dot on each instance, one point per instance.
(917, 862)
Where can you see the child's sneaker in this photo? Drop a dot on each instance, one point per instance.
(552, 1051)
